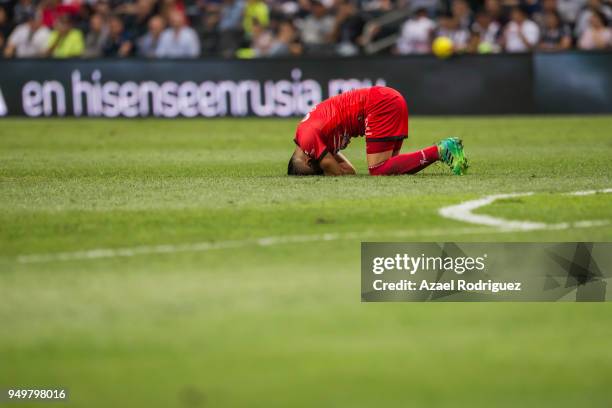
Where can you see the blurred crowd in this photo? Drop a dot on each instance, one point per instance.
(270, 28)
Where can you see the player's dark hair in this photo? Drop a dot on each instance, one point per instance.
(291, 167)
(297, 167)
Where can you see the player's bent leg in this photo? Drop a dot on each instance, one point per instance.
(397, 146)
(389, 162)
(386, 164)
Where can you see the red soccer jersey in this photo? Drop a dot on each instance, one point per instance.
(330, 124)
(379, 113)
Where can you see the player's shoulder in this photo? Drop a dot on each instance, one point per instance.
(384, 88)
(384, 91)
(354, 93)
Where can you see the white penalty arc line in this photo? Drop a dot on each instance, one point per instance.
(460, 212)
(464, 212)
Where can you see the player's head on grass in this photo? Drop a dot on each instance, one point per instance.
(302, 165)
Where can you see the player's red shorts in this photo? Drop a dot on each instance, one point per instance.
(386, 123)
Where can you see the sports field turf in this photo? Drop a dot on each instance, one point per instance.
(232, 321)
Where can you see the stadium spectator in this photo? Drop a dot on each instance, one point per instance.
(556, 36)
(584, 16)
(5, 27)
(23, 10)
(230, 26)
(255, 11)
(29, 39)
(261, 40)
(547, 6)
(96, 37)
(119, 42)
(324, 27)
(208, 31)
(431, 6)
(102, 7)
(147, 44)
(65, 41)
(485, 34)
(178, 40)
(136, 15)
(348, 26)
(449, 26)
(376, 7)
(282, 44)
(462, 14)
(166, 7)
(520, 34)
(597, 35)
(231, 15)
(569, 9)
(53, 9)
(49, 12)
(316, 29)
(494, 9)
(416, 34)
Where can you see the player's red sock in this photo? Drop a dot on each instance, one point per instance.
(407, 163)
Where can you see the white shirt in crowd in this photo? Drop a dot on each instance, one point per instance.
(415, 37)
(584, 18)
(595, 40)
(28, 44)
(490, 35)
(316, 30)
(514, 43)
(459, 37)
(184, 44)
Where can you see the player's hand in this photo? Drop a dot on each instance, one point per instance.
(331, 167)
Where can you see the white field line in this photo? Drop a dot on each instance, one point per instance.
(460, 212)
(464, 212)
(591, 192)
(261, 242)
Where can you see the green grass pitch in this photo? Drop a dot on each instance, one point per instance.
(281, 325)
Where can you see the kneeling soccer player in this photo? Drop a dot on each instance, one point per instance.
(379, 113)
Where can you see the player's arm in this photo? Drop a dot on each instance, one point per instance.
(345, 163)
(331, 167)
